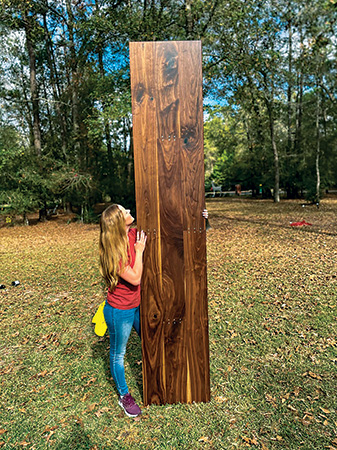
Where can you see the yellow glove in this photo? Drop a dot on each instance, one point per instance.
(98, 319)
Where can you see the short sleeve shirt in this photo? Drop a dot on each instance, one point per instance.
(126, 295)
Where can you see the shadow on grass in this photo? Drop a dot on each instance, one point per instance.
(76, 440)
(100, 350)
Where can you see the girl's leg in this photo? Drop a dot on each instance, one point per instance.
(120, 324)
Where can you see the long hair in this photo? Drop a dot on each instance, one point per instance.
(113, 245)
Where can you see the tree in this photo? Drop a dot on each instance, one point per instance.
(251, 64)
(65, 89)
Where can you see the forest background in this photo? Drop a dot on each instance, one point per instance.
(65, 114)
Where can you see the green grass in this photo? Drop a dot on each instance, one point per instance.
(272, 324)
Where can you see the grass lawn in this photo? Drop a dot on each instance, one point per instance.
(273, 338)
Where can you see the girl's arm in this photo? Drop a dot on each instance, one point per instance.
(133, 274)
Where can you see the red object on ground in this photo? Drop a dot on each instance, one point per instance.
(299, 224)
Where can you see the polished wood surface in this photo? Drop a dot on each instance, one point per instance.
(166, 88)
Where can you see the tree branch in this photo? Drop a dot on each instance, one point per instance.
(330, 95)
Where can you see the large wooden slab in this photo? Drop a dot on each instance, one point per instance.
(166, 88)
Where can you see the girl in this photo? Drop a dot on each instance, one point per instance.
(121, 265)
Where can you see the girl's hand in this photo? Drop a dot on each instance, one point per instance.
(205, 214)
(140, 242)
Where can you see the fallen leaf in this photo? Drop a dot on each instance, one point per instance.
(204, 439)
(291, 408)
(79, 421)
(221, 399)
(92, 380)
(271, 400)
(305, 422)
(47, 429)
(326, 411)
(250, 441)
(2, 431)
(42, 374)
(98, 413)
(92, 407)
(50, 435)
(297, 391)
(314, 375)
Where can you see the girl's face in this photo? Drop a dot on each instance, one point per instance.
(127, 216)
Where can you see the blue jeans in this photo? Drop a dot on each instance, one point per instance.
(120, 323)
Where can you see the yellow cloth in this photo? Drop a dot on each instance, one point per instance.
(98, 319)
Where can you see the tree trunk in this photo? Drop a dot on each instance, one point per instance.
(25, 219)
(270, 109)
(50, 120)
(318, 147)
(74, 80)
(299, 104)
(53, 82)
(27, 113)
(107, 131)
(289, 166)
(256, 109)
(289, 93)
(276, 158)
(33, 83)
(329, 93)
(189, 19)
(299, 114)
(68, 208)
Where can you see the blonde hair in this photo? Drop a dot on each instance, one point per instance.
(113, 245)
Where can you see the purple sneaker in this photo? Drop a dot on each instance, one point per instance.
(127, 402)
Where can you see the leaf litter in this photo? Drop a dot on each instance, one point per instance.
(272, 323)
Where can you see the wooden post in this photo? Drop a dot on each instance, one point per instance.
(166, 87)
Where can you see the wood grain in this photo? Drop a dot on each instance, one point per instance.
(147, 199)
(195, 275)
(166, 87)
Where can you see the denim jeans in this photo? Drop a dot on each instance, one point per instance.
(120, 323)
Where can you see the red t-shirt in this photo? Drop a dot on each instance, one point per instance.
(126, 295)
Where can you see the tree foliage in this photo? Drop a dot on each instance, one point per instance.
(65, 116)
(272, 63)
